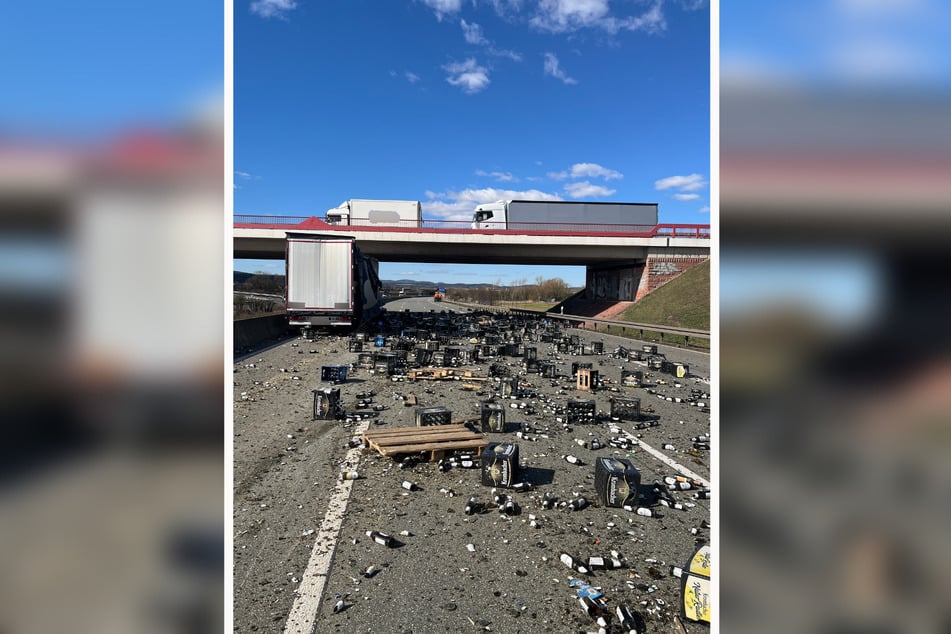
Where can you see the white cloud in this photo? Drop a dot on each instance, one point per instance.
(411, 77)
(593, 170)
(586, 170)
(458, 205)
(554, 69)
(584, 189)
(443, 7)
(704, 210)
(273, 8)
(512, 55)
(244, 175)
(471, 77)
(472, 32)
(506, 8)
(651, 21)
(560, 16)
(569, 15)
(686, 196)
(690, 183)
(505, 177)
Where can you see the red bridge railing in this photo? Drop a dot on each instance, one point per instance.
(464, 226)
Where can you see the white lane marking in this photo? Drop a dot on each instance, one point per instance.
(303, 613)
(666, 460)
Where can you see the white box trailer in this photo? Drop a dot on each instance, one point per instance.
(377, 213)
(565, 216)
(329, 282)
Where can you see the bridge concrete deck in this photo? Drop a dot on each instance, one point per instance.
(472, 247)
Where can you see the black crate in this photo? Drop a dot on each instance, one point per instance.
(530, 352)
(497, 369)
(511, 350)
(681, 370)
(508, 386)
(493, 417)
(366, 360)
(649, 348)
(499, 464)
(488, 350)
(327, 404)
(427, 416)
(632, 378)
(547, 369)
(616, 480)
(385, 363)
(563, 347)
(579, 412)
(531, 365)
(575, 366)
(626, 408)
(574, 339)
(597, 347)
(355, 345)
(424, 356)
(656, 362)
(452, 356)
(623, 353)
(333, 374)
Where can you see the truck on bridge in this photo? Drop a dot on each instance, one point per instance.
(377, 213)
(330, 283)
(565, 216)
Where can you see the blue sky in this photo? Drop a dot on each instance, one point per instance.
(93, 69)
(454, 102)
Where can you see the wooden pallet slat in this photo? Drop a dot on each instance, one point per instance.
(435, 440)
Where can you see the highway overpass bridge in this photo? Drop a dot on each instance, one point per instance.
(616, 262)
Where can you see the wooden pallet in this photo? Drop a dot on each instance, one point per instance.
(443, 374)
(435, 440)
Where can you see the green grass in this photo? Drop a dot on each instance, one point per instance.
(683, 302)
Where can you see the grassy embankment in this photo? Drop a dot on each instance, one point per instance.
(683, 302)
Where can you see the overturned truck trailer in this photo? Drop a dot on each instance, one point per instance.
(330, 283)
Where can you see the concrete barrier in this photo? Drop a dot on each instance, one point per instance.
(250, 333)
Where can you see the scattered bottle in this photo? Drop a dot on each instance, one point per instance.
(548, 500)
(381, 538)
(577, 504)
(351, 475)
(573, 460)
(569, 561)
(472, 506)
(409, 486)
(625, 619)
(370, 572)
(338, 606)
(646, 512)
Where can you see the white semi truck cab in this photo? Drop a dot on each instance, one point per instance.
(490, 216)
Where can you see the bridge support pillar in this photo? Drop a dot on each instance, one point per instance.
(617, 282)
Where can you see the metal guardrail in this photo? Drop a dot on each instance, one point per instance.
(650, 231)
(686, 333)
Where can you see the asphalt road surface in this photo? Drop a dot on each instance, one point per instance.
(453, 572)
